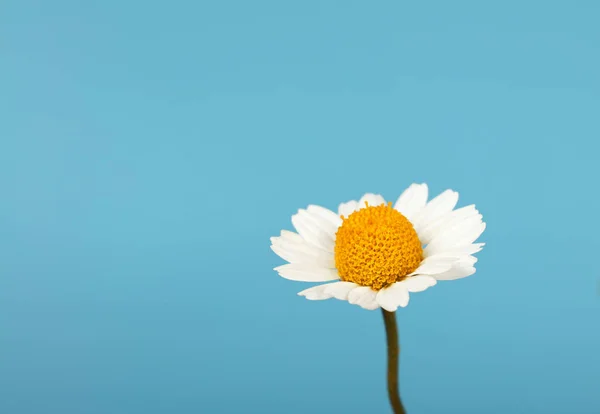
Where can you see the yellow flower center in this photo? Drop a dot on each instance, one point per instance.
(376, 246)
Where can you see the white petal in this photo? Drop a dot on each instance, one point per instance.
(293, 243)
(432, 266)
(459, 235)
(457, 271)
(470, 260)
(437, 207)
(457, 229)
(363, 296)
(393, 296)
(418, 283)
(306, 273)
(291, 236)
(456, 235)
(326, 228)
(298, 251)
(288, 256)
(311, 231)
(471, 248)
(372, 199)
(458, 251)
(334, 220)
(412, 200)
(345, 209)
(340, 290)
(429, 231)
(316, 293)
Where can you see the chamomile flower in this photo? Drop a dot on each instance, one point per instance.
(377, 253)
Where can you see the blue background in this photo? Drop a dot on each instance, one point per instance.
(148, 150)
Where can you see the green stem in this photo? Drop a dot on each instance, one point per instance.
(393, 351)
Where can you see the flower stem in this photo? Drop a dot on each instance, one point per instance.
(393, 350)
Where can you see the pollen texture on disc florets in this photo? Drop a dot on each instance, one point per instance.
(376, 246)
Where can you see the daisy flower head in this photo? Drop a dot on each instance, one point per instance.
(376, 253)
